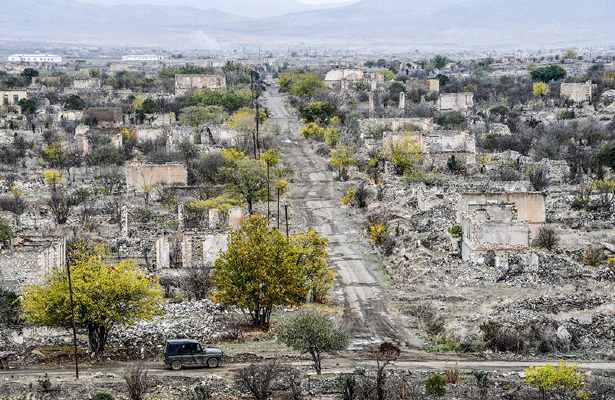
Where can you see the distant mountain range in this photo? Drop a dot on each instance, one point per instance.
(401, 23)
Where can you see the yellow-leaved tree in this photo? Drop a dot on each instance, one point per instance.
(312, 250)
(262, 269)
(105, 297)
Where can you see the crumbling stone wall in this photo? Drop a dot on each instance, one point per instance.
(578, 92)
(492, 227)
(29, 266)
(461, 102)
(87, 84)
(187, 83)
(138, 176)
(368, 125)
(529, 206)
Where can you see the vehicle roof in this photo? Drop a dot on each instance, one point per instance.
(175, 341)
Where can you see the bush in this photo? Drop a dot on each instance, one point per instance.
(498, 338)
(6, 233)
(567, 114)
(102, 396)
(551, 378)
(506, 173)
(538, 178)
(451, 120)
(547, 239)
(455, 231)
(197, 283)
(454, 166)
(377, 232)
(593, 256)
(435, 385)
(257, 379)
(137, 381)
(201, 392)
(9, 307)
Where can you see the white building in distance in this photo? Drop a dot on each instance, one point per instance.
(35, 58)
(143, 57)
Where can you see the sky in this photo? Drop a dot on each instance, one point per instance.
(249, 8)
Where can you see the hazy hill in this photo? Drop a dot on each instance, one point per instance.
(439, 23)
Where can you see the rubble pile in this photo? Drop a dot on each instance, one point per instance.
(200, 320)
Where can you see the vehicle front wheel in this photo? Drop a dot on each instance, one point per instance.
(213, 363)
(176, 365)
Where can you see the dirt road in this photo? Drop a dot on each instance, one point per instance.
(314, 201)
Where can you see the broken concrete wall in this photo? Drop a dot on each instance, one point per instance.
(213, 245)
(187, 83)
(29, 266)
(138, 176)
(530, 206)
(460, 102)
(369, 125)
(492, 228)
(577, 92)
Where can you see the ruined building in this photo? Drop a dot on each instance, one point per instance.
(185, 84)
(342, 79)
(460, 102)
(578, 92)
(495, 224)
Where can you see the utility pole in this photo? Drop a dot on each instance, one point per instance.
(252, 93)
(72, 313)
(286, 217)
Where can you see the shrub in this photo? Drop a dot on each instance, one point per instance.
(348, 197)
(9, 307)
(538, 178)
(499, 338)
(201, 392)
(567, 114)
(452, 376)
(547, 239)
(506, 173)
(550, 378)
(454, 166)
(435, 385)
(377, 233)
(592, 256)
(404, 153)
(455, 231)
(198, 282)
(451, 120)
(137, 381)
(257, 379)
(102, 396)
(6, 233)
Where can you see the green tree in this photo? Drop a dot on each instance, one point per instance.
(404, 153)
(313, 334)
(28, 74)
(549, 378)
(105, 296)
(540, 89)
(197, 116)
(249, 179)
(312, 252)
(28, 106)
(74, 102)
(435, 385)
(439, 61)
(317, 111)
(259, 271)
(6, 233)
(548, 73)
(306, 85)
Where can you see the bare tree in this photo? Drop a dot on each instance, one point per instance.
(257, 379)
